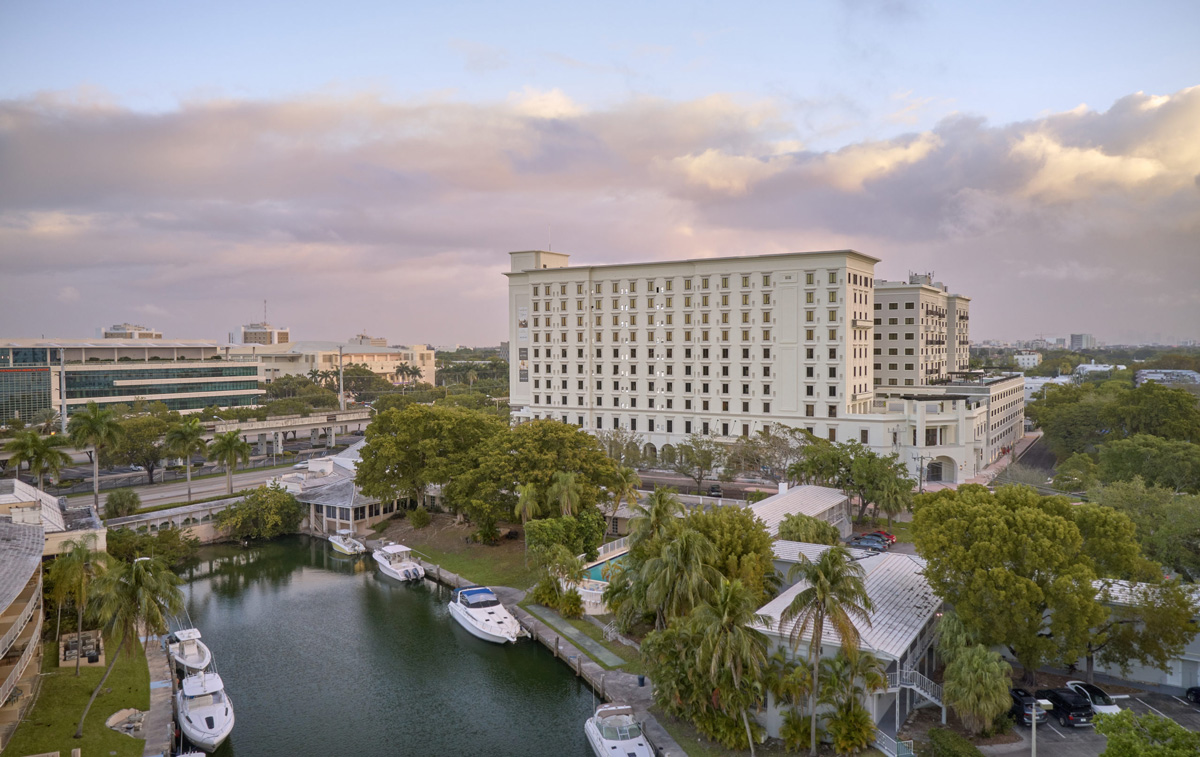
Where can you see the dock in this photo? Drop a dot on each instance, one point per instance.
(159, 724)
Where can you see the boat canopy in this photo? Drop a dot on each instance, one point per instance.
(345, 532)
(204, 683)
(613, 710)
(478, 596)
(188, 634)
(396, 549)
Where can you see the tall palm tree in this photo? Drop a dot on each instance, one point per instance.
(529, 505)
(565, 490)
(46, 419)
(23, 448)
(834, 595)
(681, 576)
(183, 440)
(50, 459)
(314, 376)
(625, 487)
(40, 453)
(472, 377)
(732, 649)
(98, 428)
(135, 596)
(654, 517)
(75, 569)
(229, 449)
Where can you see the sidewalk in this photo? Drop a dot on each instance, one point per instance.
(579, 638)
(159, 725)
(987, 474)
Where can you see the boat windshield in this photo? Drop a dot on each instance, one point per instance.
(476, 601)
(619, 729)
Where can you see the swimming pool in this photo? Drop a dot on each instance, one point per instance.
(596, 572)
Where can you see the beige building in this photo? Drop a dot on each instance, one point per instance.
(20, 622)
(363, 339)
(732, 346)
(922, 332)
(300, 358)
(130, 331)
(264, 333)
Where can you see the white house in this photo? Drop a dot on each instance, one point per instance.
(822, 502)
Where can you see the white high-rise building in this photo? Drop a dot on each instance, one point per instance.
(727, 347)
(922, 332)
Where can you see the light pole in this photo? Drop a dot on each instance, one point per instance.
(1045, 704)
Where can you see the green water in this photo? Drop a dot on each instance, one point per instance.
(323, 656)
(596, 572)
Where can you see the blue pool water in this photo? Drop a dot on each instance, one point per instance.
(596, 571)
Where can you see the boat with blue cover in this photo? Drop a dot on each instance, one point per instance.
(477, 609)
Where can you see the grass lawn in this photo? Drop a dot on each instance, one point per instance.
(50, 726)
(632, 658)
(444, 543)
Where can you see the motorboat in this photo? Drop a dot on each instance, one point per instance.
(478, 610)
(189, 653)
(343, 541)
(396, 561)
(614, 730)
(203, 711)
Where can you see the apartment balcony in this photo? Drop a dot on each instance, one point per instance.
(863, 323)
(16, 617)
(15, 663)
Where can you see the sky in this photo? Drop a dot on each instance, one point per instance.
(366, 166)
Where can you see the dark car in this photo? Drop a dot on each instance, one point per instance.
(873, 546)
(1022, 709)
(872, 538)
(1070, 709)
(1193, 694)
(714, 490)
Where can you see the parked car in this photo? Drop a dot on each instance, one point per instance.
(873, 538)
(1070, 709)
(1193, 694)
(874, 546)
(1101, 701)
(890, 537)
(714, 490)
(1022, 709)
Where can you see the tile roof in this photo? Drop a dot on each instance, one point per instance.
(20, 555)
(902, 599)
(805, 500)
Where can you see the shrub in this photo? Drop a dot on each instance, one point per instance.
(121, 502)
(545, 593)
(421, 518)
(850, 727)
(796, 731)
(570, 604)
(488, 533)
(944, 743)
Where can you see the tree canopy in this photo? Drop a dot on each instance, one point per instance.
(265, 513)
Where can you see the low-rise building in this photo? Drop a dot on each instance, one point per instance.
(263, 333)
(1167, 377)
(326, 485)
(302, 358)
(20, 621)
(820, 502)
(1027, 360)
(57, 518)
(1035, 384)
(131, 331)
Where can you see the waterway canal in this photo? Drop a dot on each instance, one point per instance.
(323, 656)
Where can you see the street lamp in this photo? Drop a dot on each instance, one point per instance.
(1045, 704)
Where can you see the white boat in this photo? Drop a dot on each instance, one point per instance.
(343, 541)
(189, 653)
(203, 711)
(395, 560)
(614, 730)
(478, 610)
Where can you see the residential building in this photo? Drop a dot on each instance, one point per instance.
(58, 518)
(1035, 384)
(130, 331)
(20, 622)
(334, 501)
(1027, 360)
(1082, 342)
(264, 333)
(730, 347)
(66, 374)
(301, 358)
(922, 332)
(821, 502)
(1084, 370)
(901, 633)
(1167, 377)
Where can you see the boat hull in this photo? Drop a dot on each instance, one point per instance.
(460, 616)
(204, 739)
(341, 548)
(602, 748)
(388, 570)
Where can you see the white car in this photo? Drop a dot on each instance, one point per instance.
(1102, 701)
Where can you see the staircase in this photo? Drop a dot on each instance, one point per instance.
(890, 746)
(911, 679)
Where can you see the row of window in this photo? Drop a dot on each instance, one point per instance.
(630, 286)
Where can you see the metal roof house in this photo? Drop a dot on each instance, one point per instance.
(901, 632)
(822, 502)
(326, 485)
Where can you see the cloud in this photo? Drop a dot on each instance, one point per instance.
(479, 57)
(399, 213)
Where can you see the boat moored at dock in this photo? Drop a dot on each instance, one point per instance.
(614, 730)
(396, 561)
(203, 711)
(343, 541)
(477, 609)
(189, 654)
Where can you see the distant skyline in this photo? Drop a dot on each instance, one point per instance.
(367, 167)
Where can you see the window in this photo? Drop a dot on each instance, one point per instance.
(809, 297)
(766, 298)
(745, 407)
(808, 278)
(832, 316)
(833, 411)
(833, 371)
(892, 305)
(810, 411)
(907, 306)
(809, 335)
(724, 282)
(766, 371)
(725, 406)
(670, 425)
(864, 436)
(766, 279)
(833, 434)
(766, 353)
(809, 392)
(833, 391)
(833, 353)
(535, 290)
(833, 277)
(703, 285)
(766, 408)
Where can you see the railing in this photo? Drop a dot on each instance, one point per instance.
(890, 746)
(6, 688)
(613, 546)
(20, 621)
(610, 631)
(913, 680)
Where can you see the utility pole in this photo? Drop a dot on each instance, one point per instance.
(921, 471)
(341, 382)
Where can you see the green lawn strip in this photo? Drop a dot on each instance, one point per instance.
(483, 565)
(633, 661)
(50, 725)
(697, 744)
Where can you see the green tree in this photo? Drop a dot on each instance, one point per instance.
(49, 459)
(184, 440)
(265, 513)
(822, 463)
(847, 679)
(680, 576)
(807, 529)
(1167, 524)
(565, 492)
(140, 443)
(38, 452)
(976, 684)
(171, 545)
(770, 453)
(133, 596)
(743, 548)
(1157, 461)
(625, 487)
(76, 569)
(1150, 623)
(410, 449)
(834, 594)
(121, 502)
(229, 449)
(98, 428)
(1076, 474)
(529, 504)
(654, 520)
(697, 457)
(1133, 735)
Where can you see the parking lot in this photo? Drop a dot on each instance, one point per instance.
(1054, 740)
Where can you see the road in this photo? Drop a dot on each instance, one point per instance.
(731, 489)
(176, 491)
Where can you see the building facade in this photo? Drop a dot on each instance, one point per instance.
(264, 333)
(20, 621)
(1082, 342)
(730, 347)
(1027, 360)
(131, 331)
(922, 332)
(301, 358)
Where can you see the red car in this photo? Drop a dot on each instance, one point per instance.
(891, 539)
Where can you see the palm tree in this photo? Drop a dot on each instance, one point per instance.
(95, 427)
(23, 448)
(50, 459)
(229, 449)
(732, 649)
(681, 576)
(135, 596)
(625, 487)
(976, 686)
(74, 570)
(314, 376)
(846, 679)
(185, 439)
(654, 517)
(46, 419)
(529, 505)
(39, 452)
(834, 594)
(472, 377)
(564, 489)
